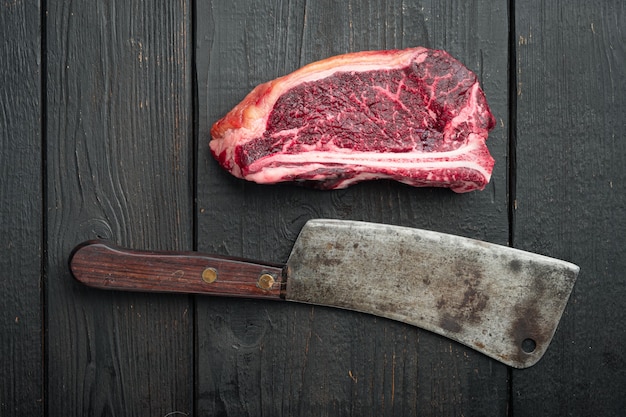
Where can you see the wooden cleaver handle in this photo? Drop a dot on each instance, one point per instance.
(101, 265)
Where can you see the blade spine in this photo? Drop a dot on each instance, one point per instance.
(538, 256)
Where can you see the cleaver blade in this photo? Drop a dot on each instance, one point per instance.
(503, 302)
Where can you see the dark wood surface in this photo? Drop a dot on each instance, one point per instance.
(21, 211)
(104, 118)
(571, 196)
(118, 138)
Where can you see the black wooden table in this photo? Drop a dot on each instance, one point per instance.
(105, 109)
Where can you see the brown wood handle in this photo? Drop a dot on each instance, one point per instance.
(101, 265)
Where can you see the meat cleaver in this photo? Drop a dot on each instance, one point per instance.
(503, 302)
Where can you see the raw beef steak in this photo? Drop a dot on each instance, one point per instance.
(417, 116)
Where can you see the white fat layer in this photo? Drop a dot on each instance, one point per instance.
(271, 174)
(369, 158)
(375, 165)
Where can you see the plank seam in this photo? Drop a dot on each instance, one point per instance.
(512, 163)
(512, 131)
(195, 141)
(43, 56)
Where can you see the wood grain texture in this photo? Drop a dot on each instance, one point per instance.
(21, 350)
(119, 168)
(259, 358)
(571, 188)
(101, 265)
(118, 109)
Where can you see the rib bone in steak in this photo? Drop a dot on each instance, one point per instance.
(417, 116)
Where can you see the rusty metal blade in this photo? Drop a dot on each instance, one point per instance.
(503, 302)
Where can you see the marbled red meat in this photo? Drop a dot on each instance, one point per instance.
(417, 116)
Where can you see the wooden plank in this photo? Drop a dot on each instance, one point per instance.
(262, 358)
(21, 352)
(119, 168)
(571, 196)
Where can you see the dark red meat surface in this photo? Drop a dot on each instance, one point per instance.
(417, 116)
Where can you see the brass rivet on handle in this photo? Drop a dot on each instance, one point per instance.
(265, 281)
(209, 275)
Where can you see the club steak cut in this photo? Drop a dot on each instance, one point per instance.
(417, 116)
